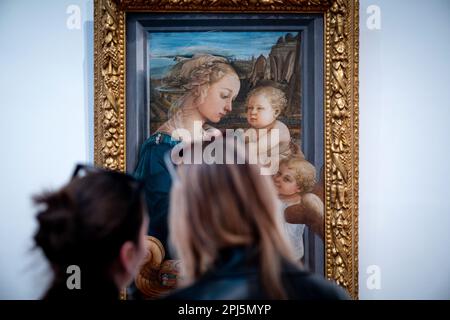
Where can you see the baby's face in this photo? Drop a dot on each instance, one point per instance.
(285, 182)
(260, 113)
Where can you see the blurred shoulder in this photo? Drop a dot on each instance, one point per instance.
(305, 285)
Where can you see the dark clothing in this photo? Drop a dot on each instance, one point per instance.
(236, 276)
(93, 290)
(152, 169)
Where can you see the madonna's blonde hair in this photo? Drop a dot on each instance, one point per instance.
(196, 75)
(225, 205)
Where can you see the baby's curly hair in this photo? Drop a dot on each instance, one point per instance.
(277, 98)
(305, 173)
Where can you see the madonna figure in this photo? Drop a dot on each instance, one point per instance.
(210, 84)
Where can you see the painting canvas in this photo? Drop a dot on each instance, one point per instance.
(259, 58)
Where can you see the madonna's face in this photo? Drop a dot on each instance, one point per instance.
(219, 97)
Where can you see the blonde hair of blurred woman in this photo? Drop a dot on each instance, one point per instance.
(223, 206)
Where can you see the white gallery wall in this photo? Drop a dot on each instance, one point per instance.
(404, 149)
(46, 104)
(46, 109)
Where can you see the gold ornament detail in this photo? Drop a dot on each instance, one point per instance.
(341, 144)
(109, 86)
(224, 5)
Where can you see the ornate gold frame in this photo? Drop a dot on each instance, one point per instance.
(341, 105)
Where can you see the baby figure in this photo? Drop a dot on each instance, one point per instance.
(269, 136)
(294, 182)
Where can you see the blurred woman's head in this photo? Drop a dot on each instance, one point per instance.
(219, 206)
(97, 223)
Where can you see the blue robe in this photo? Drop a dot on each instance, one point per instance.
(157, 182)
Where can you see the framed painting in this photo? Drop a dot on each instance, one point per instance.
(300, 56)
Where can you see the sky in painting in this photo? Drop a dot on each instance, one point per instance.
(165, 46)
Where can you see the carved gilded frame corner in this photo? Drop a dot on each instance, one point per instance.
(341, 58)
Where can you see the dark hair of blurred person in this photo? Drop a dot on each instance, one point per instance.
(96, 222)
(225, 227)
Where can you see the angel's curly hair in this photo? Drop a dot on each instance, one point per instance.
(305, 173)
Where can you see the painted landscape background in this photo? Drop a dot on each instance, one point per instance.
(259, 58)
